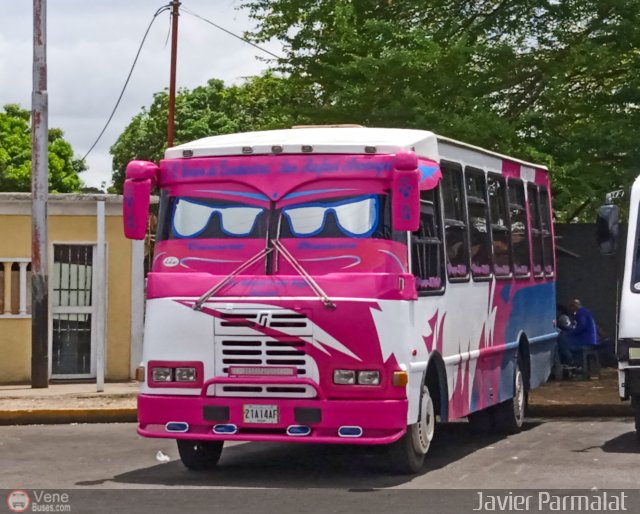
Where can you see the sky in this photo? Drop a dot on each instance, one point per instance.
(91, 45)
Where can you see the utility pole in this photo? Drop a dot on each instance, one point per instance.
(39, 196)
(175, 6)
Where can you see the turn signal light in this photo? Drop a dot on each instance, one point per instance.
(400, 378)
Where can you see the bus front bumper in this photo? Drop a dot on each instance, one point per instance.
(381, 421)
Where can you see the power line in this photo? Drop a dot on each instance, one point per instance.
(184, 9)
(126, 83)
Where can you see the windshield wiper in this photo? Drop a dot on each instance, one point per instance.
(303, 273)
(246, 264)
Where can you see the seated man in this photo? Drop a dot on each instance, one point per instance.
(574, 338)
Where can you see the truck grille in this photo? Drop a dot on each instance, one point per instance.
(238, 342)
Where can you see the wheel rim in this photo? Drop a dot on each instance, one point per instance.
(518, 399)
(423, 430)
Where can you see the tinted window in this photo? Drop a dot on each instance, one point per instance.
(456, 239)
(519, 234)
(536, 229)
(427, 259)
(500, 230)
(478, 209)
(547, 233)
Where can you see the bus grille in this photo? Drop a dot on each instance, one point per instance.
(239, 343)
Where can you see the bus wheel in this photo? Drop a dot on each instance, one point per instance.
(407, 454)
(199, 455)
(508, 416)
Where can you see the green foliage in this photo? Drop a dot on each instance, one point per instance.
(557, 82)
(15, 155)
(260, 103)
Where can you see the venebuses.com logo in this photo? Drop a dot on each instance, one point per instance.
(18, 501)
(38, 501)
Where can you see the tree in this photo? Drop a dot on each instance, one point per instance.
(15, 155)
(557, 82)
(260, 103)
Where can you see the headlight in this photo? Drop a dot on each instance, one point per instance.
(185, 374)
(368, 377)
(162, 374)
(344, 376)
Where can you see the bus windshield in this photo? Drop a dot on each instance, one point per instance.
(359, 216)
(185, 217)
(353, 216)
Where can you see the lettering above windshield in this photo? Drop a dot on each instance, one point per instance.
(351, 217)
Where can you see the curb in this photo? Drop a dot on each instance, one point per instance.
(65, 416)
(616, 410)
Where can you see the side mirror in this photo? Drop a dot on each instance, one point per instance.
(405, 192)
(607, 229)
(141, 176)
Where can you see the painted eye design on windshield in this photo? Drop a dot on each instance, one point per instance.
(355, 217)
(191, 218)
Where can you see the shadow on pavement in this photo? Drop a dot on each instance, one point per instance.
(624, 443)
(274, 465)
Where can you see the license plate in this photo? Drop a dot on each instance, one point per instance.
(260, 413)
(634, 354)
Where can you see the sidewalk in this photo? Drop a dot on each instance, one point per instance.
(68, 403)
(80, 403)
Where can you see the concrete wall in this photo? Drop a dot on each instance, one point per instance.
(590, 276)
(72, 219)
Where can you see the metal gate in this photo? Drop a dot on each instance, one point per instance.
(72, 340)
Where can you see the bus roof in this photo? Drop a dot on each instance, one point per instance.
(330, 139)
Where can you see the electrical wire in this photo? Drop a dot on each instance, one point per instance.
(126, 83)
(184, 9)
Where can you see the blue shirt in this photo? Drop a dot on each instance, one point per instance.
(584, 332)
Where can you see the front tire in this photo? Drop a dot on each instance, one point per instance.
(407, 454)
(199, 455)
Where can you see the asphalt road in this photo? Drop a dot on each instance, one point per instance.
(565, 454)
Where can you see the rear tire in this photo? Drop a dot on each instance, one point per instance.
(509, 415)
(406, 456)
(199, 455)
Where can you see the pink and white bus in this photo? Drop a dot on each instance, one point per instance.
(341, 285)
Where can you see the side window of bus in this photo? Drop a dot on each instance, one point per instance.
(478, 209)
(519, 234)
(500, 229)
(547, 234)
(427, 259)
(536, 230)
(455, 225)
